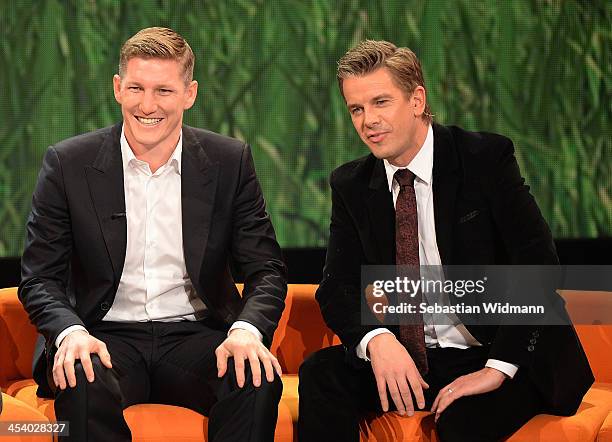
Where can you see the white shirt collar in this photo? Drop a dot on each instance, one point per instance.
(127, 155)
(421, 165)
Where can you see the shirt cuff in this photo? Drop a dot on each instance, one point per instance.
(362, 348)
(66, 332)
(505, 367)
(246, 326)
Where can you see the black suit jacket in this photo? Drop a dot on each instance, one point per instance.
(484, 214)
(76, 234)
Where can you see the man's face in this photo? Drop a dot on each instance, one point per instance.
(387, 121)
(153, 95)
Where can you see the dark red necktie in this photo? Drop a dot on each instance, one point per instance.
(412, 335)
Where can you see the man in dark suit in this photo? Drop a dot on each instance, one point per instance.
(126, 268)
(429, 195)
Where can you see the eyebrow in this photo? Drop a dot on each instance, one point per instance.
(375, 98)
(157, 87)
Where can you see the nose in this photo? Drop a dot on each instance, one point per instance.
(148, 104)
(371, 118)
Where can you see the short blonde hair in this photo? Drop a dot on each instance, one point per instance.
(370, 55)
(158, 42)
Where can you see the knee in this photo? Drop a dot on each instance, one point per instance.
(100, 371)
(274, 387)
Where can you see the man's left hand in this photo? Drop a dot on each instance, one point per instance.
(481, 381)
(242, 345)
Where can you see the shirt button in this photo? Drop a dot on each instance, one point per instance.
(531, 348)
(532, 341)
(105, 306)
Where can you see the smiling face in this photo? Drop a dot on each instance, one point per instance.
(387, 120)
(153, 96)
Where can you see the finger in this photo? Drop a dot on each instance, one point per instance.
(69, 368)
(434, 406)
(255, 368)
(222, 356)
(277, 366)
(58, 370)
(105, 356)
(87, 365)
(239, 369)
(447, 398)
(381, 385)
(266, 361)
(444, 403)
(406, 396)
(395, 396)
(417, 390)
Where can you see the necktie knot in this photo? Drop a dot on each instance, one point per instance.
(404, 177)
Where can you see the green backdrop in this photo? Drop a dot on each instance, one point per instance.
(536, 71)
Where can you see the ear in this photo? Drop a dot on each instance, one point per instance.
(190, 94)
(419, 99)
(117, 87)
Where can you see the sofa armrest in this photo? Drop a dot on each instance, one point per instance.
(17, 339)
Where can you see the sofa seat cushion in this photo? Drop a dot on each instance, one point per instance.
(14, 410)
(153, 422)
(605, 432)
(583, 426)
(290, 394)
(390, 427)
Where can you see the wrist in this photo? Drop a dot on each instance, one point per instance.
(490, 371)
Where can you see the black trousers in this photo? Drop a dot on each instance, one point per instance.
(166, 363)
(335, 395)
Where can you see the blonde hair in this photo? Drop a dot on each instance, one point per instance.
(370, 55)
(158, 42)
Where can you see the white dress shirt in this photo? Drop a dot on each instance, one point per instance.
(448, 332)
(154, 284)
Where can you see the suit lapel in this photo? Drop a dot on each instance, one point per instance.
(199, 177)
(105, 181)
(445, 188)
(379, 203)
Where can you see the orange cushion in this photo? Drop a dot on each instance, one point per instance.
(583, 426)
(14, 410)
(390, 427)
(605, 432)
(597, 343)
(157, 422)
(301, 329)
(290, 395)
(17, 338)
(25, 391)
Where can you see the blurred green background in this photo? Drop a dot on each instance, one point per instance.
(537, 71)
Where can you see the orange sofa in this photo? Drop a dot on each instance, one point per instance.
(302, 331)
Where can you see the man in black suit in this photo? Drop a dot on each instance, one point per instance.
(126, 268)
(429, 195)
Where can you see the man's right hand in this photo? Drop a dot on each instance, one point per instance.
(394, 370)
(77, 345)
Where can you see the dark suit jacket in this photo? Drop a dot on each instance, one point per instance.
(484, 214)
(76, 234)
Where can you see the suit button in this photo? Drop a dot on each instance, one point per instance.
(105, 306)
(532, 341)
(531, 348)
(536, 334)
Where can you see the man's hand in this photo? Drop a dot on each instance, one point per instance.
(481, 381)
(242, 344)
(394, 369)
(77, 345)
